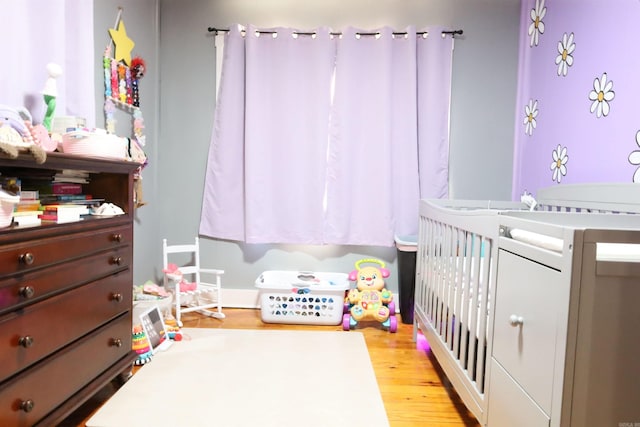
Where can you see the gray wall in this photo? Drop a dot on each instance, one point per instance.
(141, 19)
(482, 120)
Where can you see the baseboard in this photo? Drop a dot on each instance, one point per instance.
(241, 298)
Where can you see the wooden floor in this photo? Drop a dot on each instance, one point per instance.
(413, 388)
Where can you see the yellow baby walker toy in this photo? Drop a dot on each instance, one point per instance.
(370, 300)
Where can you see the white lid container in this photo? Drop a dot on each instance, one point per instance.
(314, 281)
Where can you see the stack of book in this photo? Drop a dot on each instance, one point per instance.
(53, 197)
(58, 182)
(58, 188)
(57, 199)
(71, 176)
(24, 218)
(27, 210)
(59, 214)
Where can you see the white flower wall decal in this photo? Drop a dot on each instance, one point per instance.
(536, 28)
(634, 159)
(559, 164)
(530, 114)
(564, 60)
(601, 95)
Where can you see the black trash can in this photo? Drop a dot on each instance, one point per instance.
(407, 247)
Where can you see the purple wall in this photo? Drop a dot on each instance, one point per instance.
(581, 114)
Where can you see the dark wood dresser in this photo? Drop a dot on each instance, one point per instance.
(65, 298)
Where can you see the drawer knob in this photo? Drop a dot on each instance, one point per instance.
(116, 342)
(117, 297)
(27, 405)
(27, 258)
(26, 292)
(25, 342)
(117, 237)
(516, 320)
(116, 260)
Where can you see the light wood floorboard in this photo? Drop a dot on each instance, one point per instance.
(414, 389)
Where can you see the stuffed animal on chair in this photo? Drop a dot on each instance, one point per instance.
(173, 272)
(370, 300)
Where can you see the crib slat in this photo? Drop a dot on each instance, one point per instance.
(459, 294)
(453, 285)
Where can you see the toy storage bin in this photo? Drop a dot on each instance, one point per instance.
(165, 306)
(302, 297)
(7, 204)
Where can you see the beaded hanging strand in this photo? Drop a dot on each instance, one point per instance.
(106, 64)
(138, 68)
(127, 77)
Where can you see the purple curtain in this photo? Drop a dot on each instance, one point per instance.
(435, 54)
(373, 169)
(295, 159)
(37, 32)
(277, 175)
(223, 200)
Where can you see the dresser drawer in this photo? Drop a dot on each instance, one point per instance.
(19, 290)
(529, 291)
(509, 405)
(29, 255)
(29, 335)
(55, 379)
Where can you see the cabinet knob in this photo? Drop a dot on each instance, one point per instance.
(117, 237)
(26, 292)
(516, 320)
(25, 341)
(116, 342)
(27, 405)
(27, 258)
(117, 297)
(116, 260)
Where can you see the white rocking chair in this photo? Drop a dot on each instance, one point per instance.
(198, 295)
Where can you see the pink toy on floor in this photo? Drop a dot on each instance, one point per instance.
(153, 289)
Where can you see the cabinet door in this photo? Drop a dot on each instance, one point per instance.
(509, 405)
(528, 304)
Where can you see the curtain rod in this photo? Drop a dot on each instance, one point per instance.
(453, 33)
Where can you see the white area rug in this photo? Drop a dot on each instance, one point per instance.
(247, 378)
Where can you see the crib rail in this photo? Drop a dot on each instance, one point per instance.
(590, 198)
(455, 280)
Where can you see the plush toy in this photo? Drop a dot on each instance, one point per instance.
(17, 133)
(370, 300)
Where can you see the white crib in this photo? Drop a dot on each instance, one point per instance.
(512, 303)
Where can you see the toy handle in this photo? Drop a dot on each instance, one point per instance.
(385, 272)
(369, 260)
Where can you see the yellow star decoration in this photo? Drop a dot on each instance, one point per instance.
(124, 45)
